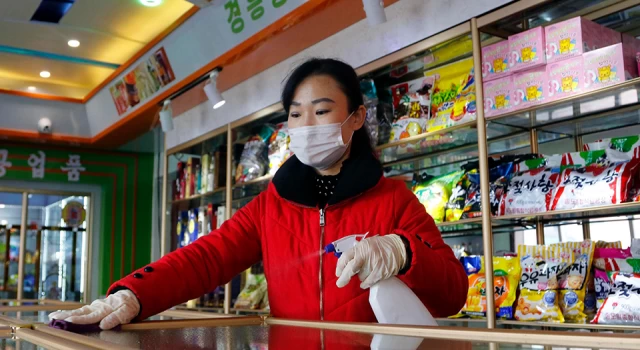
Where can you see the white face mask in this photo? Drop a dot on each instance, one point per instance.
(319, 146)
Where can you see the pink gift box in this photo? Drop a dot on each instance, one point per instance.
(495, 61)
(529, 88)
(566, 78)
(631, 49)
(576, 36)
(527, 50)
(497, 96)
(608, 66)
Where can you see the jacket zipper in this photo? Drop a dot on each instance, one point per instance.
(322, 223)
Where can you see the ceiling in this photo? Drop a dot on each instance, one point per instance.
(110, 32)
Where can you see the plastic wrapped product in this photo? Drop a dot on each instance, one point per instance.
(623, 144)
(573, 281)
(434, 193)
(279, 150)
(603, 267)
(529, 192)
(453, 100)
(594, 186)
(541, 266)
(372, 124)
(622, 306)
(254, 159)
(505, 281)
(253, 293)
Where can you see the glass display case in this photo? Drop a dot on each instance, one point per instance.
(431, 114)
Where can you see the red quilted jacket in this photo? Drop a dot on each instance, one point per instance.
(285, 229)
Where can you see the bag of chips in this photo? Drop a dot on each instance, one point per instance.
(434, 193)
(454, 99)
(623, 144)
(573, 281)
(529, 192)
(622, 306)
(600, 284)
(541, 267)
(506, 272)
(253, 293)
(594, 185)
(279, 150)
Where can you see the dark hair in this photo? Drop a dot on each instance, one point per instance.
(347, 80)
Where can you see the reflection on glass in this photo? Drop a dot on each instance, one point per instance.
(10, 220)
(55, 253)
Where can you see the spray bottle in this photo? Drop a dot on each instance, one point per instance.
(392, 302)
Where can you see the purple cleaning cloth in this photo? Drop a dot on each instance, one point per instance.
(77, 328)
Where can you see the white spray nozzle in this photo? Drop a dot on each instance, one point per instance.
(344, 244)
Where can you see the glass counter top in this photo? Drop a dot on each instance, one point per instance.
(167, 335)
(43, 317)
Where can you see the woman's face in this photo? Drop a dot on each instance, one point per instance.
(318, 100)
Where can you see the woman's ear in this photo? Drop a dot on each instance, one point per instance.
(359, 117)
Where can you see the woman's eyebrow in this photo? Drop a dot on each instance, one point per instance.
(323, 99)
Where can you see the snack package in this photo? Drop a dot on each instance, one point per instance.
(594, 185)
(495, 61)
(565, 78)
(505, 281)
(412, 99)
(497, 96)
(279, 150)
(526, 50)
(622, 306)
(453, 100)
(573, 281)
(622, 144)
(575, 36)
(529, 88)
(435, 192)
(541, 267)
(529, 192)
(254, 159)
(465, 201)
(602, 282)
(251, 296)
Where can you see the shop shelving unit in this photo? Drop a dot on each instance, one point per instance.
(524, 131)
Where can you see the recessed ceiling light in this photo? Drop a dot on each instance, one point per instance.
(31, 88)
(73, 43)
(45, 74)
(151, 3)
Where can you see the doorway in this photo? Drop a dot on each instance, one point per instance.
(44, 245)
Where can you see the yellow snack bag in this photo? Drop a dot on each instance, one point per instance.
(573, 282)
(506, 272)
(541, 267)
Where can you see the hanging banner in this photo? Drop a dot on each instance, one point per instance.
(142, 82)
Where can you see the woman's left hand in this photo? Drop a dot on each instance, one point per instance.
(373, 259)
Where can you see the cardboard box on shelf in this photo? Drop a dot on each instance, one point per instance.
(631, 48)
(527, 50)
(529, 88)
(608, 66)
(497, 96)
(495, 61)
(566, 78)
(576, 36)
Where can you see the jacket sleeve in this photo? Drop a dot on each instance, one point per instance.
(435, 275)
(200, 267)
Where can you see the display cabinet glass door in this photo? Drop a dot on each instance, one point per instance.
(10, 221)
(62, 264)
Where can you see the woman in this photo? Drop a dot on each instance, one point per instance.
(331, 188)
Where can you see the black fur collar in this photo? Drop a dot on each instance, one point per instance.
(295, 181)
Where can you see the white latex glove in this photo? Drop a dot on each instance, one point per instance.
(118, 308)
(373, 259)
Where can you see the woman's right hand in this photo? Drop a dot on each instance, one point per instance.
(118, 308)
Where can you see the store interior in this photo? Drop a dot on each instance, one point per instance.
(516, 124)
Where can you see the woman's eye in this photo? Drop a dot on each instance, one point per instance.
(322, 112)
(294, 115)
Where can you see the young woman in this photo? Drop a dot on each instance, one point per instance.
(331, 188)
